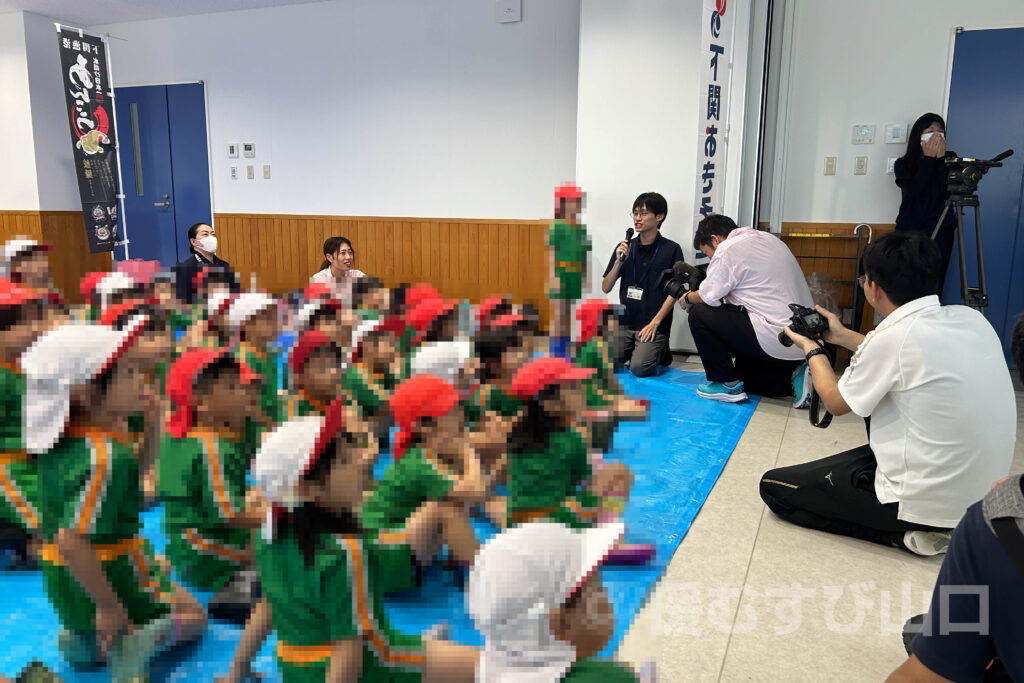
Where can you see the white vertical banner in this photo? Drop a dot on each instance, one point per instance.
(713, 109)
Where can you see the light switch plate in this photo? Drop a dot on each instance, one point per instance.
(864, 134)
(234, 173)
(860, 166)
(250, 172)
(895, 133)
(266, 171)
(830, 165)
(232, 150)
(890, 165)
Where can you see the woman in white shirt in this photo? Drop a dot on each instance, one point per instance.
(336, 271)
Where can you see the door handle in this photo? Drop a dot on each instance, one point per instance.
(165, 203)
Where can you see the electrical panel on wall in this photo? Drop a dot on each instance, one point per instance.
(895, 133)
(864, 134)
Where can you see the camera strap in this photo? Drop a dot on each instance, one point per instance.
(817, 419)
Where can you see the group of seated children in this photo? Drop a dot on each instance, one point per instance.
(300, 482)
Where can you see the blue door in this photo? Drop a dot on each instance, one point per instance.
(986, 98)
(164, 168)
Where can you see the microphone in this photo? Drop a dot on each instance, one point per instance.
(629, 237)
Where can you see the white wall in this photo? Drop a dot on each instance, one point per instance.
(870, 61)
(54, 159)
(377, 107)
(18, 190)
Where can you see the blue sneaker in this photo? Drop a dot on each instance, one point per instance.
(802, 387)
(716, 391)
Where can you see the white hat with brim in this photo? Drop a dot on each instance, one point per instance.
(246, 305)
(443, 359)
(14, 248)
(65, 357)
(113, 283)
(281, 460)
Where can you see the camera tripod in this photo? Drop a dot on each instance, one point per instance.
(975, 297)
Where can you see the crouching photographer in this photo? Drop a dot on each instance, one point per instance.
(740, 309)
(936, 386)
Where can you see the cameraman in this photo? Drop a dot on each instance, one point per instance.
(935, 384)
(647, 317)
(758, 277)
(981, 564)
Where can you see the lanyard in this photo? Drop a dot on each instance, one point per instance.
(636, 282)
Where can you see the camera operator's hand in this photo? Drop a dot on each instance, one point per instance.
(836, 329)
(622, 251)
(805, 343)
(934, 147)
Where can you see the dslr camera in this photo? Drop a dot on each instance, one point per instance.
(681, 278)
(806, 322)
(963, 174)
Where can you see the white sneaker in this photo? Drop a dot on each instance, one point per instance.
(802, 386)
(927, 543)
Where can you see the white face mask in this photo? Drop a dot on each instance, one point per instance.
(928, 136)
(209, 243)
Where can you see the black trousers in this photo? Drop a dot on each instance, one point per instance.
(723, 331)
(837, 495)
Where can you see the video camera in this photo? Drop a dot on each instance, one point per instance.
(681, 278)
(806, 322)
(963, 174)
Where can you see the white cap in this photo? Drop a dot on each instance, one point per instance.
(12, 248)
(111, 284)
(306, 313)
(519, 578)
(59, 360)
(246, 305)
(443, 359)
(281, 460)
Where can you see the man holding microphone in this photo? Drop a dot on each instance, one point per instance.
(647, 317)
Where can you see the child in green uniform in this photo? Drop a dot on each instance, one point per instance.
(371, 299)
(535, 594)
(324, 313)
(548, 472)
(606, 401)
(374, 372)
(322, 576)
(423, 497)
(316, 365)
(100, 575)
(22, 320)
(502, 353)
(203, 467)
(569, 258)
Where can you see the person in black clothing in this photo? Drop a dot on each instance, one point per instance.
(921, 177)
(203, 244)
(647, 319)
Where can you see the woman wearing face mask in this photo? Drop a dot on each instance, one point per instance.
(921, 177)
(337, 271)
(202, 241)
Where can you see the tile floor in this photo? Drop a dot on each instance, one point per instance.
(750, 598)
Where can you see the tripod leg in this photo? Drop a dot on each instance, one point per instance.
(942, 218)
(982, 290)
(962, 255)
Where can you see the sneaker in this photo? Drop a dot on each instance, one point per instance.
(927, 543)
(802, 387)
(235, 601)
(716, 391)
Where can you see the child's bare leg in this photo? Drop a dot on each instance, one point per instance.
(189, 616)
(450, 663)
(497, 510)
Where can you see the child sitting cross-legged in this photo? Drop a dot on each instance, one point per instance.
(323, 576)
(111, 596)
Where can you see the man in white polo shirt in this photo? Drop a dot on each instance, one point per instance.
(934, 382)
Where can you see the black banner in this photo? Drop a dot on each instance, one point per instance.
(83, 61)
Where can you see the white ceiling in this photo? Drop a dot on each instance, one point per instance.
(95, 12)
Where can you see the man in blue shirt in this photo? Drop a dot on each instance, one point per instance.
(647, 318)
(974, 629)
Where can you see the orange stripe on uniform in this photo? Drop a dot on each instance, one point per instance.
(89, 505)
(221, 550)
(367, 625)
(28, 514)
(216, 471)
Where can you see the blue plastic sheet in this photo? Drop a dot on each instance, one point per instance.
(676, 458)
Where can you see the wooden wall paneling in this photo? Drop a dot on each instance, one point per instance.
(432, 257)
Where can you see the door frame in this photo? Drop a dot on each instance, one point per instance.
(953, 32)
(206, 113)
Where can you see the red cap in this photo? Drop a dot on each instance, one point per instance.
(89, 283)
(539, 373)
(417, 397)
(12, 294)
(392, 324)
(483, 311)
(568, 191)
(317, 290)
(181, 380)
(334, 421)
(589, 314)
(417, 294)
(507, 320)
(112, 314)
(309, 341)
(427, 312)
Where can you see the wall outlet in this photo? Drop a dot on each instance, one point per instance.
(860, 166)
(830, 165)
(266, 171)
(234, 173)
(890, 165)
(250, 172)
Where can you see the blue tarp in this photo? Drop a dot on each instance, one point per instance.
(676, 458)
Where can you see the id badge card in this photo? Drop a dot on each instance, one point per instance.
(635, 293)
